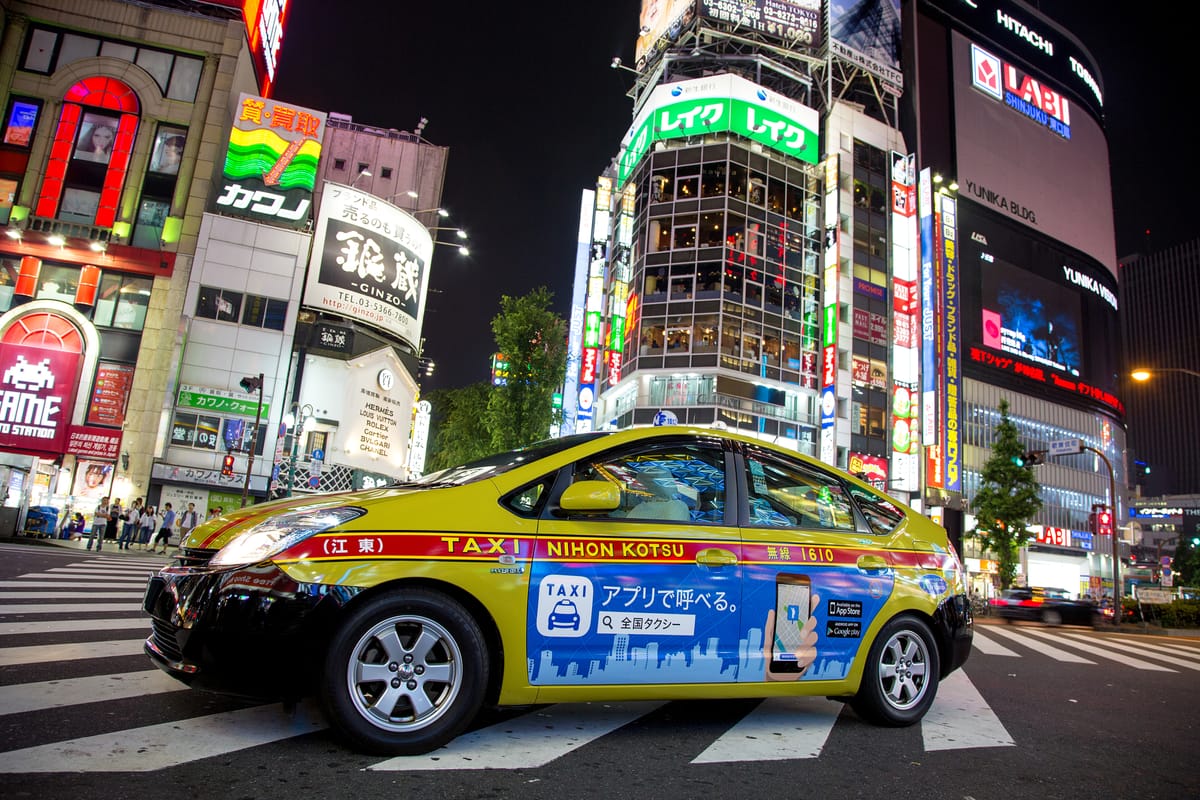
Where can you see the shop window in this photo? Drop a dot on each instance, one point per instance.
(689, 188)
(9, 269)
(653, 338)
(656, 285)
(264, 312)
(712, 182)
(737, 181)
(8, 196)
(684, 233)
(661, 188)
(712, 233)
(681, 288)
(57, 283)
(704, 334)
(708, 280)
(660, 235)
(148, 228)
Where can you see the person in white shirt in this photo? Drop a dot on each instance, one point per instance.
(129, 524)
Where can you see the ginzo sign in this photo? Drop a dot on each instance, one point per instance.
(37, 393)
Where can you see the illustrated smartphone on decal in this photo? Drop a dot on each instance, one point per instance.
(793, 606)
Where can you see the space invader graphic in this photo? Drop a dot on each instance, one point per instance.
(30, 377)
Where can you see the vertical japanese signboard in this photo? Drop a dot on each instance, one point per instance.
(829, 316)
(271, 163)
(583, 242)
(906, 310)
(951, 449)
(593, 316)
(929, 288)
(370, 262)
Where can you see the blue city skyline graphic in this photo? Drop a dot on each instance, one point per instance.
(698, 662)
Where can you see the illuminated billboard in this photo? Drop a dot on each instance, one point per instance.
(659, 26)
(725, 102)
(1036, 315)
(370, 262)
(866, 33)
(797, 23)
(271, 163)
(265, 22)
(1025, 149)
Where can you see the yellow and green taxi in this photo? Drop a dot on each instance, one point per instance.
(654, 563)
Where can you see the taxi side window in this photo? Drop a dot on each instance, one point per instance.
(528, 500)
(786, 495)
(674, 484)
(882, 514)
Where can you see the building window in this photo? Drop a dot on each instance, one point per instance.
(252, 310)
(363, 167)
(385, 172)
(339, 164)
(206, 432)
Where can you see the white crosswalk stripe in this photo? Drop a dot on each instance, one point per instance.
(69, 608)
(779, 728)
(960, 718)
(528, 741)
(1179, 662)
(41, 654)
(168, 744)
(1136, 663)
(24, 697)
(74, 626)
(68, 595)
(72, 584)
(990, 646)
(1041, 647)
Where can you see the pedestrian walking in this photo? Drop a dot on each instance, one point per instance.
(129, 524)
(150, 520)
(165, 530)
(99, 523)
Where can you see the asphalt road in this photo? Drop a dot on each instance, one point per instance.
(1037, 712)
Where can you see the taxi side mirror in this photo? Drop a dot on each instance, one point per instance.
(590, 496)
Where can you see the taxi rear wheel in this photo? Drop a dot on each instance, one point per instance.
(405, 673)
(901, 676)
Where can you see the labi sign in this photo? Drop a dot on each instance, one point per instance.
(37, 393)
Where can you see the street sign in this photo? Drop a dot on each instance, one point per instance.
(1065, 447)
(1158, 596)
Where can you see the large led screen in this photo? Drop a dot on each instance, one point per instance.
(1036, 315)
(1028, 151)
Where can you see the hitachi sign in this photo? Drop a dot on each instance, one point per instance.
(1025, 32)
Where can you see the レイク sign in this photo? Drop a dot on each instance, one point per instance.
(37, 393)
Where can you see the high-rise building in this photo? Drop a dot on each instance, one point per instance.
(1160, 296)
(856, 229)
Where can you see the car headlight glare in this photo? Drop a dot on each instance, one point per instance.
(276, 534)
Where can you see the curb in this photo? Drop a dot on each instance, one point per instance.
(80, 545)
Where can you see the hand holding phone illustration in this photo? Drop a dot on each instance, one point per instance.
(790, 636)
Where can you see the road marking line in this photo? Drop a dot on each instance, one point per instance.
(1128, 648)
(75, 651)
(778, 728)
(1136, 663)
(24, 697)
(74, 626)
(72, 584)
(960, 718)
(50, 595)
(1042, 647)
(79, 575)
(68, 608)
(168, 744)
(1187, 651)
(990, 647)
(531, 740)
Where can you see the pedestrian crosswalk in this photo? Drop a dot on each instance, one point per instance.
(86, 613)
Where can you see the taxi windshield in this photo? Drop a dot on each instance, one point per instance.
(502, 462)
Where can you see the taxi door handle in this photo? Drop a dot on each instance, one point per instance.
(872, 562)
(716, 557)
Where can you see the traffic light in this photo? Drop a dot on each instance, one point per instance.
(1104, 522)
(227, 465)
(1030, 459)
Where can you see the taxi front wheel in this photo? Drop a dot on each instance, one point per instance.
(405, 673)
(901, 676)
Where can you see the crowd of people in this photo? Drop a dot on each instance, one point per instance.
(140, 526)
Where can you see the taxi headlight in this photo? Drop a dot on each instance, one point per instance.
(276, 534)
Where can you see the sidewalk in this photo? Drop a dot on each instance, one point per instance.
(110, 546)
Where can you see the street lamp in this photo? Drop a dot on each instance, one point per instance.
(250, 384)
(293, 423)
(1143, 374)
(463, 250)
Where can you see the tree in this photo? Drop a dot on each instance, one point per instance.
(1007, 498)
(534, 339)
(459, 427)
(1186, 563)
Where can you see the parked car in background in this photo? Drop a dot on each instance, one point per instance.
(1048, 606)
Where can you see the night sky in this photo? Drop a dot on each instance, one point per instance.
(531, 111)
